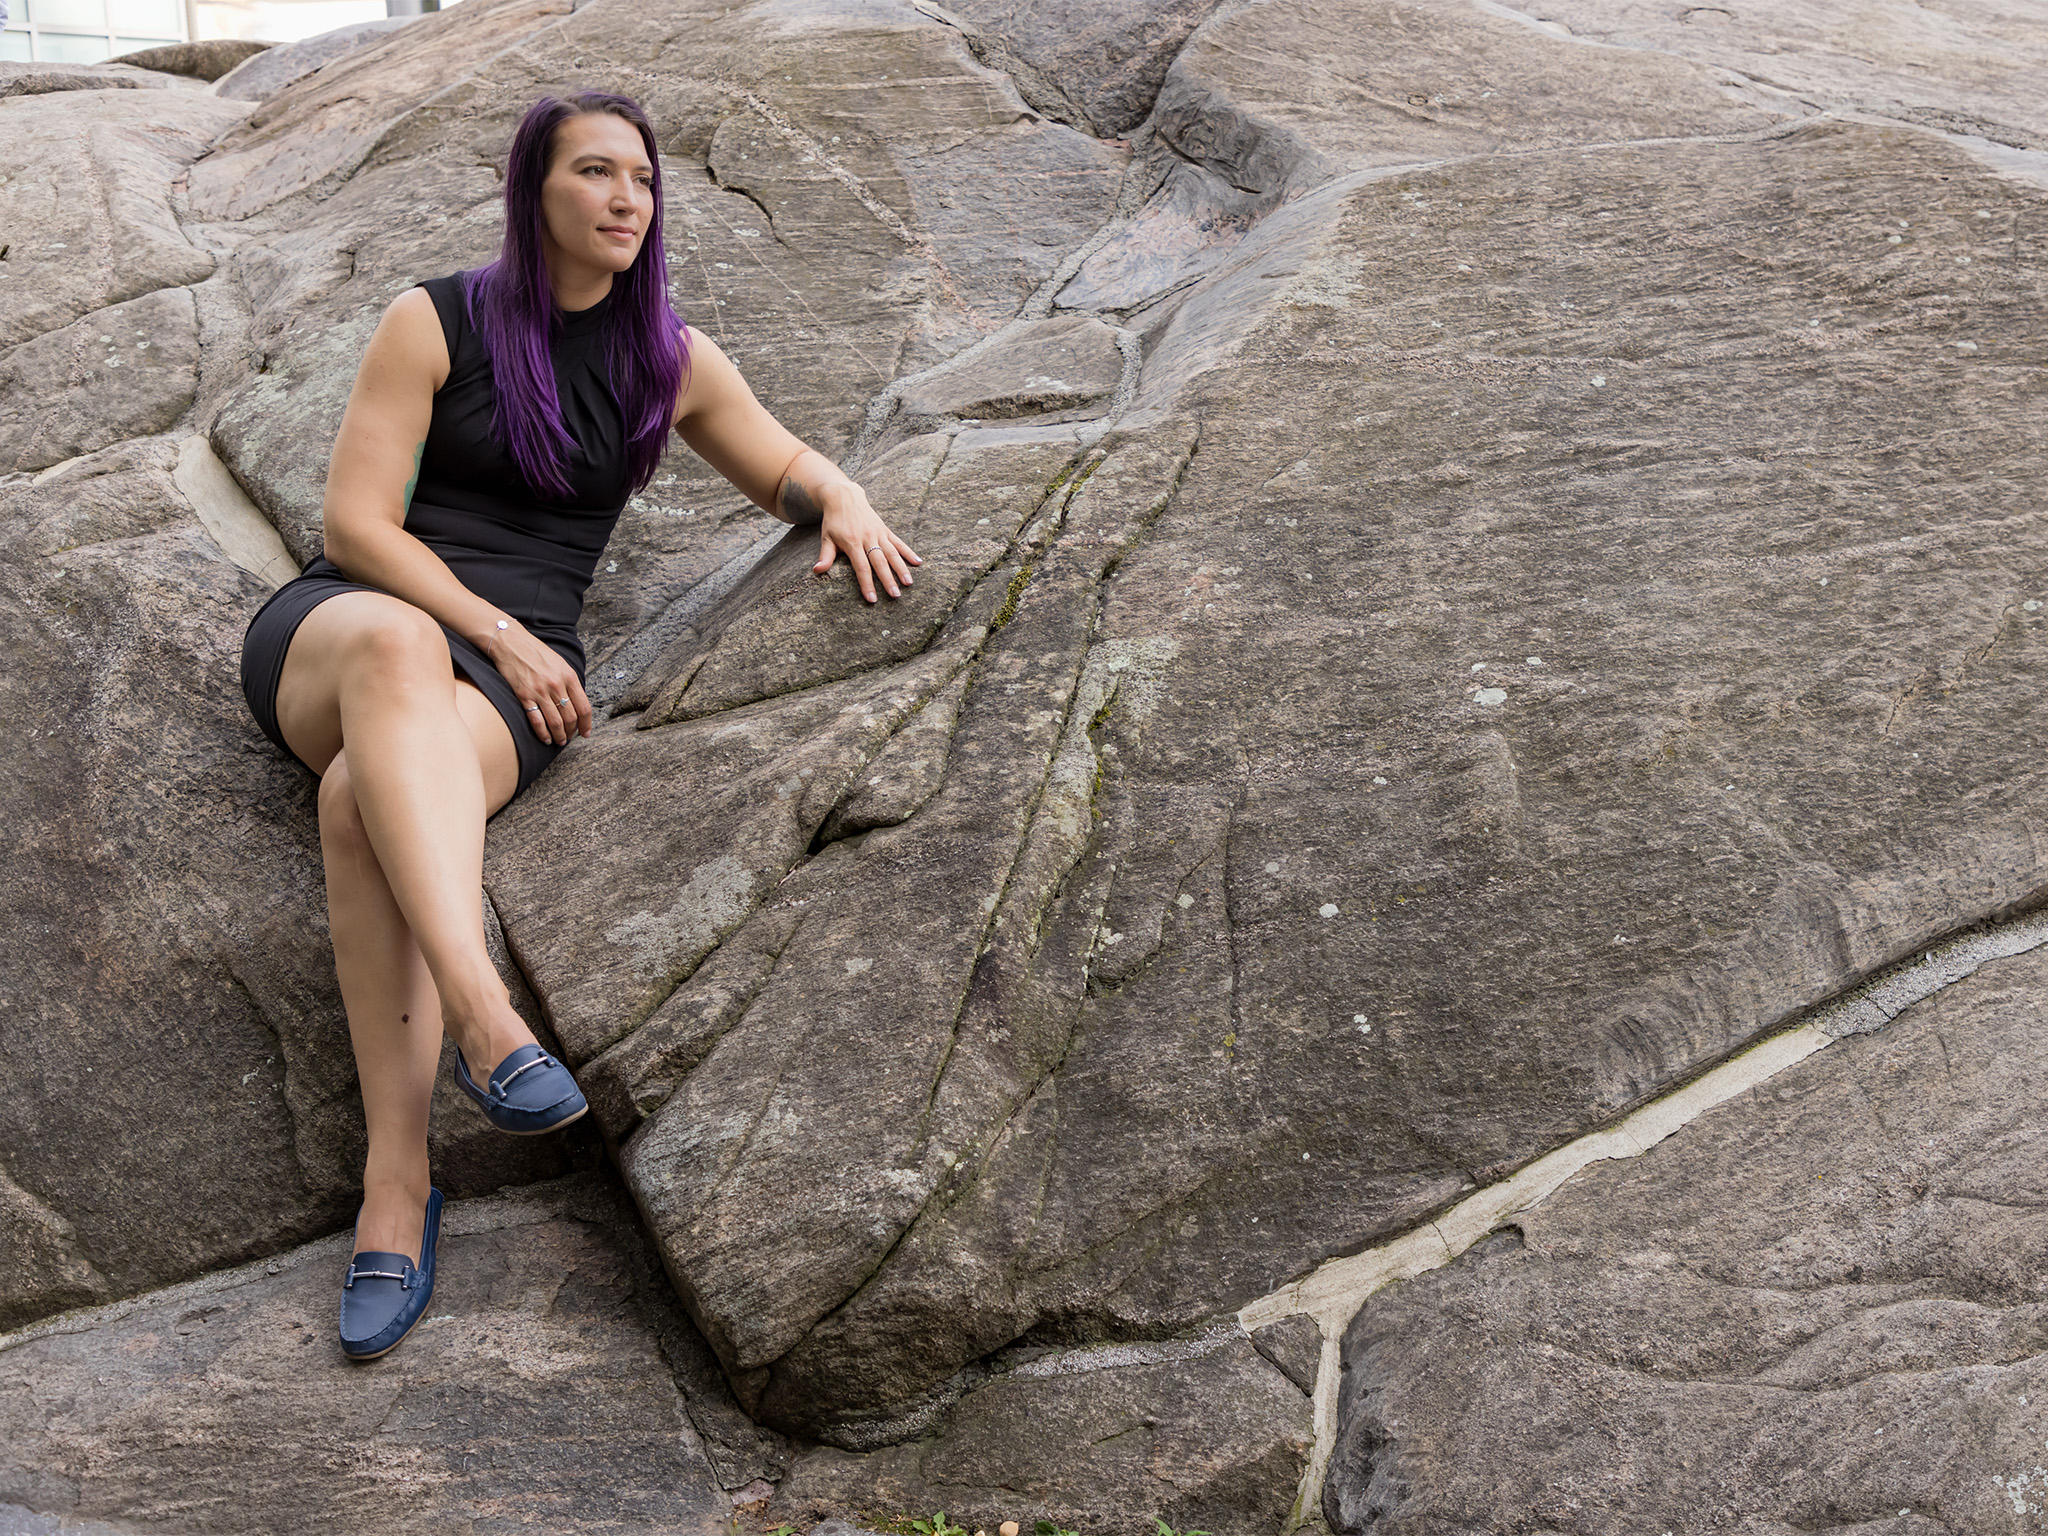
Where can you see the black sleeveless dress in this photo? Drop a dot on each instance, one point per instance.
(530, 555)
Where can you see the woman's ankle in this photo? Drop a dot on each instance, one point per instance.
(486, 1041)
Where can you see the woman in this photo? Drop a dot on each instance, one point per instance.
(428, 669)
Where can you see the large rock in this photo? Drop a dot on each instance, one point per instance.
(1157, 1036)
(206, 59)
(537, 1392)
(85, 201)
(1200, 1433)
(126, 370)
(1097, 66)
(265, 73)
(1819, 1308)
(1551, 590)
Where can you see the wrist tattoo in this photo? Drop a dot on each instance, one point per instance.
(798, 505)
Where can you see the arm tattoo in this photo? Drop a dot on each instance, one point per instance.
(798, 505)
(418, 452)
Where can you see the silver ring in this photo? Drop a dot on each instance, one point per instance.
(561, 701)
(533, 709)
(872, 548)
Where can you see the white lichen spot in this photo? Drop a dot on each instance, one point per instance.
(1966, 346)
(1478, 666)
(1273, 867)
(1490, 696)
(710, 901)
(988, 903)
(1534, 661)
(1184, 901)
(1379, 781)
(1599, 381)
(855, 967)
(1327, 909)
(1114, 938)
(2032, 605)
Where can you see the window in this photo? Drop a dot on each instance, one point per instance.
(89, 31)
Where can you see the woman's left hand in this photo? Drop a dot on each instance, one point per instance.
(852, 528)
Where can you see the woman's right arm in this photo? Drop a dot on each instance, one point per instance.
(370, 480)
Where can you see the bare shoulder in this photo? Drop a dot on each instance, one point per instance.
(710, 381)
(408, 347)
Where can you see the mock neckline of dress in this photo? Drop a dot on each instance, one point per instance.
(575, 322)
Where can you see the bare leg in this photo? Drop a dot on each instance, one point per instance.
(402, 819)
(394, 1021)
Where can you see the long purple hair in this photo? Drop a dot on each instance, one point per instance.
(513, 309)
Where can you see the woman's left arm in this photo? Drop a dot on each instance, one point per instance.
(731, 431)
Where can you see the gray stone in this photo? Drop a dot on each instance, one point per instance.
(1045, 366)
(1305, 617)
(1553, 606)
(42, 79)
(85, 206)
(206, 59)
(904, 774)
(535, 1391)
(1102, 61)
(1821, 1307)
(1970, 72)
(1203, 1435)
(784, 629)
(1295, 1344)
(264, 74)
(128, 370)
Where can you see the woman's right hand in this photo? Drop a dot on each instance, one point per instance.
(546, 686)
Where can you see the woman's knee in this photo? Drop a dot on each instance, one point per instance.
(397, 639)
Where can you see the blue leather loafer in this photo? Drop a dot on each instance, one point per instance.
(529, 1093)
(384, 1294)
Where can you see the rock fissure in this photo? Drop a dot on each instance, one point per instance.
(1334, 1294)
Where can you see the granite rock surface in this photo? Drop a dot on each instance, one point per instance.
(1819, 1308)
(1477, 563)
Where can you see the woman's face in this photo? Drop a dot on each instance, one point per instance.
(598, 196)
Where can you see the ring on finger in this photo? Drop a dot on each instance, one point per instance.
(563, 702)
(533, 709)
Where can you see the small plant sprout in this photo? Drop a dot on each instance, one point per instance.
(1167, 1530)
(1048, 1528)
(937, 1526)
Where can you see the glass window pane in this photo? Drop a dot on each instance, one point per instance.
(137, 44)
(14, 47)
(60, 49)
(72, 15)
(146, 18)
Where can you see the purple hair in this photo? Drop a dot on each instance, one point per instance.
(513, 309)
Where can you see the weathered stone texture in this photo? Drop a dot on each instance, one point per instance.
(264, 74)
(1202, 1430)
(121, 371)
(537, 1394)
(1475, 563)
(85, 203)
(1819, 1308)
